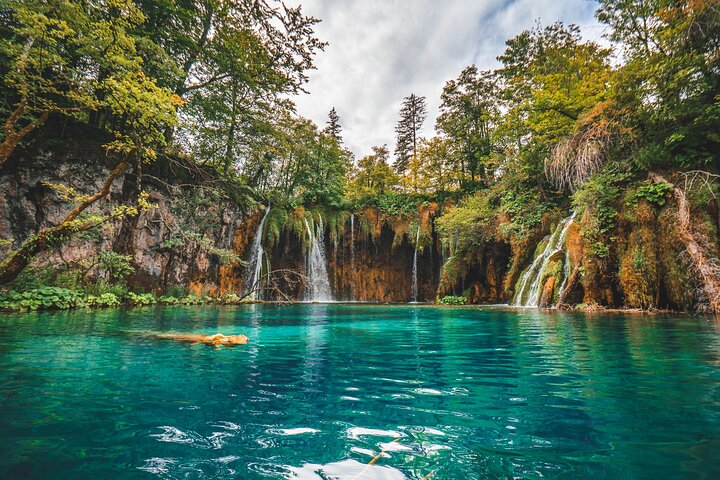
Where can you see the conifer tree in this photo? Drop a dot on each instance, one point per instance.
(412, 116)
(333, 126)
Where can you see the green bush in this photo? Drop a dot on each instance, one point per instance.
(168, 300)
(141, 299)
(598, 197)
(103, 300)
(655, 193)
(101, 287)
(452, 300)
(185, 300)
(41, 298)
(230, 298)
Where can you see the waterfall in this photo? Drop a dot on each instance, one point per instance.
(254, 267)
(318, 289)
(352, 254)
(414, 270)
(528, 295)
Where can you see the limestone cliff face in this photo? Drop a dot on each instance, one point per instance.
(380, 269)
(160, 258)
(371, 262)
(374, 269)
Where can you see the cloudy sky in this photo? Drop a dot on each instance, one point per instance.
(382, 50)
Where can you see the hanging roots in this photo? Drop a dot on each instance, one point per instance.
(576, 158)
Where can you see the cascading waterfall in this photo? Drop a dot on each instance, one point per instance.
(414, 270)
(528, 295)
(254, 270)
(352, 254)
(316, 269)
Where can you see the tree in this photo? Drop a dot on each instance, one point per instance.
(234, 62)
(550, 79)
(373, 175)
(63, 57)
(669, 88)
(66, 57)
(435, 167)
(412, 116)
(468, 118)
(333, 126)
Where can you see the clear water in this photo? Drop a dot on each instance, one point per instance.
(322, 389)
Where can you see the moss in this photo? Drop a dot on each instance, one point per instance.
(638, 272)
(450, 274)
(554, 268)
(676, 283)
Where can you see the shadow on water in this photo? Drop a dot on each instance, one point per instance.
(322, 390)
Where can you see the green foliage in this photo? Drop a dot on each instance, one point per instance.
(372, 177)
(141, 299)
(412, 116)
(185, 300)
(452, 300)
(655, 193)
(176, 291)
(668, 83)
(468, 226)
(598, 199)
(525, 209)
(102, 286)
(116, 265)
(469, 117)
(393, 203)
(104, 300)
(41, 299)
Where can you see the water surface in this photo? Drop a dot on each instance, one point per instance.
(322, 390)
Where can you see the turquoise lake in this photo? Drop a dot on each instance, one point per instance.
(321, 390)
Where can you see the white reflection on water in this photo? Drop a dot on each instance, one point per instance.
(345, 470)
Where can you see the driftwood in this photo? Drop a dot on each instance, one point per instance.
(272, 282)
(216, 340)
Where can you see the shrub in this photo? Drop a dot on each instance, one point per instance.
(168, 300)
(655, 193)
(41, 298)
(229, 298)
(141, 299)
(103, 300)
(103, 286)
(116, 265)
(598, 199)
(452, 300)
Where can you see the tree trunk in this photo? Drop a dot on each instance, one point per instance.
(16, 262)
(13, 137)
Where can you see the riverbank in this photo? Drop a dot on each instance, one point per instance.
(55, 298)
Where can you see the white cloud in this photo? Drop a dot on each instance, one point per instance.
(382, 50)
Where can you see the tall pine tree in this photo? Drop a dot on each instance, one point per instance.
(412, 116)
(333, 126)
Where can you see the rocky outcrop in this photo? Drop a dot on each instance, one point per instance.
(379, 271)
(161, 257)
